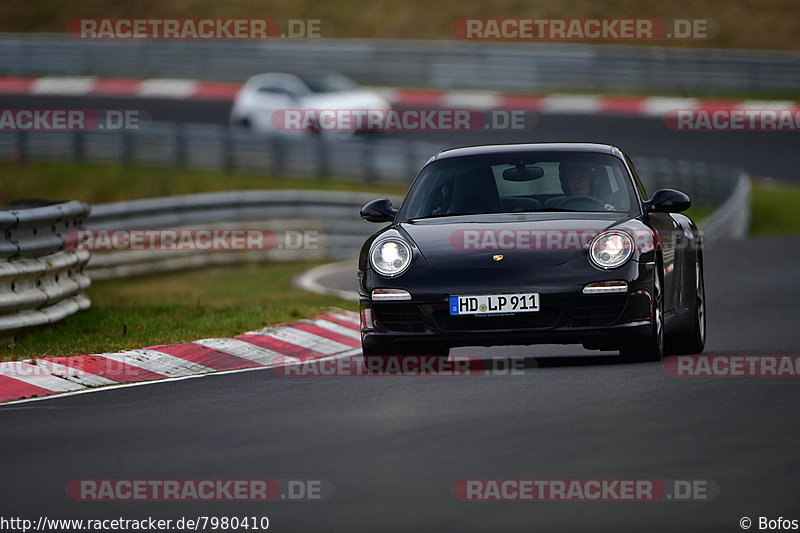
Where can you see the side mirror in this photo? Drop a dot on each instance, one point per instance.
(668, 201)
(379, 211)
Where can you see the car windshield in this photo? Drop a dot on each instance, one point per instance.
(520, 182)
(328, 82)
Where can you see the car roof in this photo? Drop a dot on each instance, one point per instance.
(487, 149)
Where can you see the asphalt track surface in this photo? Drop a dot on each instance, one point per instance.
(393, 447)
(761, 153)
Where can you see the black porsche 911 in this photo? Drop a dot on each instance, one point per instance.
(526, 244)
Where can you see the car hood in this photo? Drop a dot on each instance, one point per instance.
(469, 242)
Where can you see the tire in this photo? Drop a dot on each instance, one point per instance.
(241, 122)
(692, 340)
(651, 348)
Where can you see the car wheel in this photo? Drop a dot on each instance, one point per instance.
(692, 340)
(651, 348)
(240, 122)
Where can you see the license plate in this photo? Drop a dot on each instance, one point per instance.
(490, 304)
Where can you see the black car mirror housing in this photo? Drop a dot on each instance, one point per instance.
(379, 211)
(668, 201)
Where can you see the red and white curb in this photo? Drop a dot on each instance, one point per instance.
(333, 334)
(183, 89)
(179, 89)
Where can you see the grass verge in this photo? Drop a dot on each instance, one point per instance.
(774, 209)
(179, 307)
(97, 182)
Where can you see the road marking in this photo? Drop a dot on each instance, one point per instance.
(472, 100)
(76, 86)
(304, 339)
(73, 374)
(37, 376)
(167, 88)
(657, 106)
(90, 373)
(569, 103)
(246, 350)
(158, 362)
(337, 328)
(346, 316)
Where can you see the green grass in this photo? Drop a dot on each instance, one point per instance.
(775, 209)
(763, 24)
(698, 213)
(97, 182)
(174, 308)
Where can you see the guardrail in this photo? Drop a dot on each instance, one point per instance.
(367, 158)
(732, 218)
(526, 67)
(40, 281)
(370, 158)
(331, 216)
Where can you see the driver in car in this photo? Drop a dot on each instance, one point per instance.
(577, 180)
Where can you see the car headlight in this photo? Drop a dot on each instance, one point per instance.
(390, 257)
(611, 249)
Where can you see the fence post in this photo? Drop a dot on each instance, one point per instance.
(368, 162)
(227, 149)
(127, 146)
(179, 132)
(411, 160)
(78, 146)
(278, 159)
(322, 167)
(21, 149)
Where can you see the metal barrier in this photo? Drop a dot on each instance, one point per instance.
(367, 158)
(732, 218)
(371, 158)
(331, 216)
(40, 281)
(525, 67)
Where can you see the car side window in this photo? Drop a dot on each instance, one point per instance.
(276, 90)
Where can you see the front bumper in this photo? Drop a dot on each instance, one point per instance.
(566, 315)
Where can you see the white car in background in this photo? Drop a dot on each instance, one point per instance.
(265, 94)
